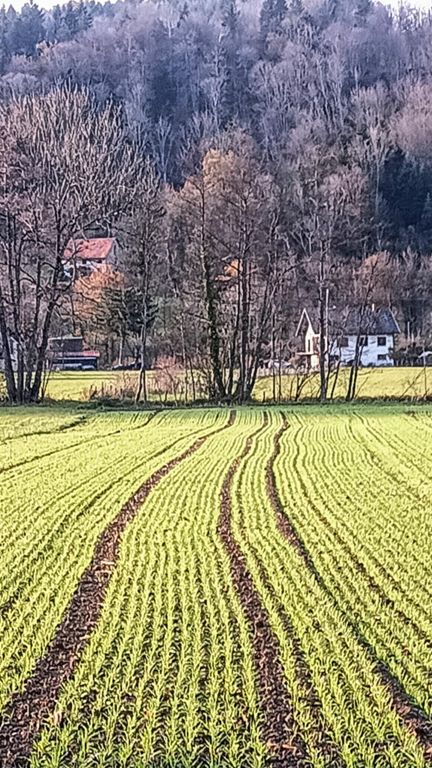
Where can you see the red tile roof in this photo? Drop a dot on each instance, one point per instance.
(96, 249)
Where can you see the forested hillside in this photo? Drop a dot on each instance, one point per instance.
(289, 160)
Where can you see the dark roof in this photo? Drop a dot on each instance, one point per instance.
(66, 344)
(375, 322)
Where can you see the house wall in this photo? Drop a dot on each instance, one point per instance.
(370, 352)
(14, 355)
(86, 266)
(112, 258)
(311, 347)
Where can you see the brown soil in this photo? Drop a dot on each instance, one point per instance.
(409, 711)
(30, 709)
(285, 747)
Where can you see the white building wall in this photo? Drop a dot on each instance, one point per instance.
(14, 355)
(311, 347)
(370, 353)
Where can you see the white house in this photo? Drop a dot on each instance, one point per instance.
(13, 346)
(307, 329)
(376, 331)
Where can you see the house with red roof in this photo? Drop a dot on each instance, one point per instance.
(84, 256)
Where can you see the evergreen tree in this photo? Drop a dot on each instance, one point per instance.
(4, 40)
(426, 224)
(11, 15)
(85, 19)
(362, 10)
(71, 20)
(229, 15)
(27, 30)
(57, 22)
(232, 86)
(273, 13)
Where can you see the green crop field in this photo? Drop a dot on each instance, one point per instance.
(216, 588)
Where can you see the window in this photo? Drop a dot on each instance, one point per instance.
(382, 341)
(309, 345)
(364, 341)
(382, 357)
(344, 341)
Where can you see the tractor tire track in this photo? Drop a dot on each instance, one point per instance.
(288, 530)
(285, 747)
(323, 741)
(89, 503)
(27, 711)
(78, 444)
(76, 422)
(409, 711)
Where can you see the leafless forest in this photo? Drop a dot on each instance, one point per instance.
(248, 157)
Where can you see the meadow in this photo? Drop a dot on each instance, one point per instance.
(373, 383)
(224, 588)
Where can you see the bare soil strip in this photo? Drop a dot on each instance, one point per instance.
(286, 748)
(408, 710)
(29, 709)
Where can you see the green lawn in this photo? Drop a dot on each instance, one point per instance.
(373, 383)
(77, 385)
(378, 383)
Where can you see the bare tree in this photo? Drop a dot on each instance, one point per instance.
(65, 171)
(143, 247)
(228, 214)
(162, 146)
(327, 227)
(363, 279)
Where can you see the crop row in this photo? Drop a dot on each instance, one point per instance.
(352, 700)
(168, 677)
(332, 544)
(378, 578)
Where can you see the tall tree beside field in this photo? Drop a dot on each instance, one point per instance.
(226, 257)
(328, 229)
(65, 170)
(143, 249)
(196, 266)
(100, 311)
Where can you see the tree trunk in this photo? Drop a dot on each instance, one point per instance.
(273, 355)
(121, 347)
(233, 345)
(322, 345)
(141, 393)
(41, 354)
(335, 380)
(7, 355)
(214, 345)
(242, 385)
